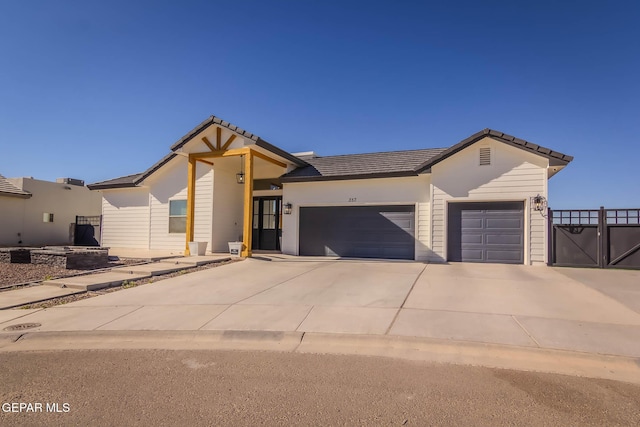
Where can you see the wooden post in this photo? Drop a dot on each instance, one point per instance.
(247, 231)
(191, 203)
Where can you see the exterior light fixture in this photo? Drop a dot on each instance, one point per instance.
(539, 203)
(288, 207)
(240, 175)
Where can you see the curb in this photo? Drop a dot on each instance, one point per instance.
(618, 368)
(156, 340)
(592, 365)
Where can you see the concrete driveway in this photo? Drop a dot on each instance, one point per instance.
(581, 310)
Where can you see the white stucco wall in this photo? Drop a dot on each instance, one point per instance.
(380, 191)
(11, 220)
(514, 175)
(170, 183)
(125, 218)
(24, 216)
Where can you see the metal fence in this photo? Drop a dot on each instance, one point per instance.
(604, 238)
(87, 230)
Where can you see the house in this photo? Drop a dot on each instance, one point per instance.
(34, 212)
(473, 201)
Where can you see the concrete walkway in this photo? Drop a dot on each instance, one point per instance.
(65, 286)
(523, 307)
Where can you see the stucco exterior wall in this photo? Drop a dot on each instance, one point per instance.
(11, 220)
(125, 218)
(24, 216)
(381, 191)
(513, 175)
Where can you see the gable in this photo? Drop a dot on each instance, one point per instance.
(509, 170)
(555, 158)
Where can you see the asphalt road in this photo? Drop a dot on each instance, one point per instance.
(150, 387)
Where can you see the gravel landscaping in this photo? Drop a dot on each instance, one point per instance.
(17, 274)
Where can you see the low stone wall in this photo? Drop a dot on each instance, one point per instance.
(77, 259)
(15, 255)
(56, 259)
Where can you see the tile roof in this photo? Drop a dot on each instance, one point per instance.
(350, 166)
(555, 158)
(121, 182)
(135, 179)
(8, 189)
(366, 165)
(405, 163)
(213, 120)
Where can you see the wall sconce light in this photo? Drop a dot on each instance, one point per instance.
(288, 207)
(539, 203)
(240, 175)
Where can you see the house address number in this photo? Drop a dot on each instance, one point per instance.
(353, 199)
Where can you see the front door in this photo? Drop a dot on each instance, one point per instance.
(267, 222)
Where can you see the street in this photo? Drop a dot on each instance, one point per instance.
(160, 387)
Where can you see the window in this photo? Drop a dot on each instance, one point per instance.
(256, 213)
(47, 217)
(177, 216)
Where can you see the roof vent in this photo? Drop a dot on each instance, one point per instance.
(70, 181)
(305, 155)
(485, 156)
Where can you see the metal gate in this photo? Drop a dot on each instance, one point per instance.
(87, 230)
(603, 238)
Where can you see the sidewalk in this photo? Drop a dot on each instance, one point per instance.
(66, 286)
(531, 318)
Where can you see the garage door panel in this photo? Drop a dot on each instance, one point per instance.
(474, 223)
(486, 232)
(504, 239)
(473, 255)
(503, 223)
(471, 238)
(501, 256)
(358, 231)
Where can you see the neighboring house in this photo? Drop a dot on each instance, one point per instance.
(38, 213)
(473, 201)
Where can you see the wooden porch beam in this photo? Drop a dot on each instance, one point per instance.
(268, 159)
(220, 153)
(210, 145)
(247, 230)
(218, 137)
(205, 161)
(191, 203)
(229, 141)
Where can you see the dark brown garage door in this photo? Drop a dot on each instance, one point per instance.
(486, 232)
(358, 231)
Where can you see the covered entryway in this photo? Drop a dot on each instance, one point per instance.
(358, 231)
(489, 232)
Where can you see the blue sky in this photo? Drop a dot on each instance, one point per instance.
(96, 90)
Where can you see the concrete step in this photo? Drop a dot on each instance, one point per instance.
(154, 268)
(197, 261)
(92, 282)
(33, 294)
